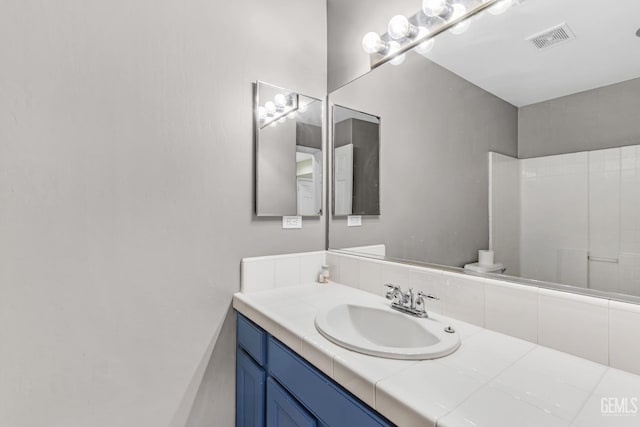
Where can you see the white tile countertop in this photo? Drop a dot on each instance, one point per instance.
(492, 380)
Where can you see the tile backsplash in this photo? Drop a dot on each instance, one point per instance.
(279, 271)
(592, 328)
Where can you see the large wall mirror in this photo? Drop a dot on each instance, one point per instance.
(288, 152)
(520, 134)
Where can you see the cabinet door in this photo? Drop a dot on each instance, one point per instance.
(283, 410)
(250, 391)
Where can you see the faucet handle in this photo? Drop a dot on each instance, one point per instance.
(428, 296)
(392, 290)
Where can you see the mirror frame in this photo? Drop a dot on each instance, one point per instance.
(256, 143)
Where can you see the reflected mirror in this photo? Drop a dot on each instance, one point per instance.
(519, 135)
(356, 162)
(288, 152)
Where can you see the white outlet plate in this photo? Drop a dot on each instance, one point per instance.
(354, 221)
(289, 222)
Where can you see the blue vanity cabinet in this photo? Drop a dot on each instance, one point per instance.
(250, 391)
(285, 411)
(276, 387)
(251, 376)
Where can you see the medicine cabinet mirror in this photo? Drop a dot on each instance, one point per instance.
(518, 132)
(356, 162)
(288, 152)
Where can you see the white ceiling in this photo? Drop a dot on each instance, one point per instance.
(495, 54)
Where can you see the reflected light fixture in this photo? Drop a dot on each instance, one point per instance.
(278, 110)
(270, 108)
(280, 100)
(501, 7)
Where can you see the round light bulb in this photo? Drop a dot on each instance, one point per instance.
(500, 7)
(458, 11)
(394, 47)
(434, 7)
(400, 27)
(280, 100)
(372, 43)
(270, 107)
(424, 47)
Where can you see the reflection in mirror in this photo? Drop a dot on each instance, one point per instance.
(515, 137)
(288, 152)
(356, 160)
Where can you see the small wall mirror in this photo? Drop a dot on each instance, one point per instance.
(356, 162)
(288, 152)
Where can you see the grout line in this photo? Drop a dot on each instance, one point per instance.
(591, 394)
(488, 383)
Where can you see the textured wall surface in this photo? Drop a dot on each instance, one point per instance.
(126, 200)
(601, 118)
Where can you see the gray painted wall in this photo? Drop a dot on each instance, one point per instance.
(436, 130)
(126, 200)
(366, 162)
(606, 117)
(309, 135)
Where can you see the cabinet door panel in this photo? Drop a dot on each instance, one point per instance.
(283, 410)
(250, 392)
(330, 403)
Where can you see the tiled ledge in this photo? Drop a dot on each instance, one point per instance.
(594, 328)
(270, 272)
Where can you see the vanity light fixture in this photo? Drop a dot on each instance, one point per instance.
(278, 110)
(400, 28)
(425, 47)
(398, 59)
(434, 8)
(372, 43)
(418, 32)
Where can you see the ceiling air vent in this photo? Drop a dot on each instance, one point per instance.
(552, 37)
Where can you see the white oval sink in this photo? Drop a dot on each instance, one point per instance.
(383, 332)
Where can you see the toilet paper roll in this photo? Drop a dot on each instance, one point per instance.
(485, 257)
